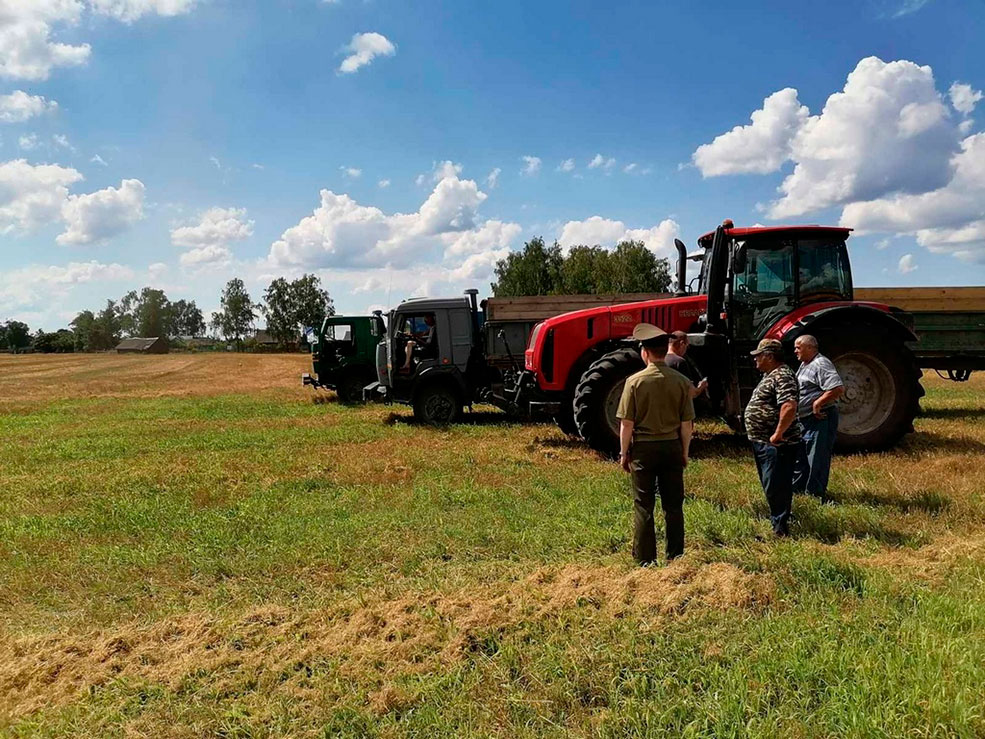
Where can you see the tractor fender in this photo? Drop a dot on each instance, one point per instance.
(837, 316)
(439, 374)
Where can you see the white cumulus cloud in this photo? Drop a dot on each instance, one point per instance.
(492, 179)
(567, 165)
(18, 107)
(129, 11)
(964, 98)
(32, 196)
(443, 242)
(599, 231)
(103, 214)
(215, 227)
(27, 51)
(601, 162)
(531, 165)
(32, 285)
(906, 264)
(383, 184)
(363, 49)
(760, 147)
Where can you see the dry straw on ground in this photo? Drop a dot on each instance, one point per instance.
(416, 629)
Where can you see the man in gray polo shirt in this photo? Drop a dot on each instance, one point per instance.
(820, 388)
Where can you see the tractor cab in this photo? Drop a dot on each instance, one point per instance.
(755, 276)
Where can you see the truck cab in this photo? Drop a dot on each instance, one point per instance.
(343, 354)
(446, 372)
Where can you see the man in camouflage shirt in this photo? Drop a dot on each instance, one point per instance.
(772, 427)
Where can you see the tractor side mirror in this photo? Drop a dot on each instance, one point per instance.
(739, 260)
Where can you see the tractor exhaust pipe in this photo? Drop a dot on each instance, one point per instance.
(681, 268)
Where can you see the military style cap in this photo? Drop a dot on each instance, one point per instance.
(647, 332)
(768, 345)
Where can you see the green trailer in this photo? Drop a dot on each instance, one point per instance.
(949, 323)
(343, 355)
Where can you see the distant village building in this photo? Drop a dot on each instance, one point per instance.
(263, 338)
(136, 345)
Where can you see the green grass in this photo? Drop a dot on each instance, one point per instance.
(125, 517)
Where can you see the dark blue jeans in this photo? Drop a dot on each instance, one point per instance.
(775, 465)
(814, 457)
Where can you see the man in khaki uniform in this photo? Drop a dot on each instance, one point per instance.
(655, 423)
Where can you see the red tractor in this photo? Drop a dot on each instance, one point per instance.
(753, 283)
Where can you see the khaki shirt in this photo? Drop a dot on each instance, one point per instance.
(657, 400)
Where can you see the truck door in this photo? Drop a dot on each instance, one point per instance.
(460, 335)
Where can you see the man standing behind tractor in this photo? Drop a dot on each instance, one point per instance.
(772, 427)
(655, 424)
(676, 361)
(820, 388)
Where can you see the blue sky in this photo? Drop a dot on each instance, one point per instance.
(179, 143)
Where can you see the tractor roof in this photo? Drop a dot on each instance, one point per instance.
(739, 232)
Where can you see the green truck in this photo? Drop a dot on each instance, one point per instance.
(343, 354)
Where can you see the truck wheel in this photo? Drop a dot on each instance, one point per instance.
(436, 405)
(597, 398)
(882, 390)
(350, 389)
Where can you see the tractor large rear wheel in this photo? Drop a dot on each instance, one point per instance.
(597, 398)
(882, 389)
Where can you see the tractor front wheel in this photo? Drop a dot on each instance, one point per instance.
(597, 398)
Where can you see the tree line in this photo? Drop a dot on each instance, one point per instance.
(287, 305)
(593, 270)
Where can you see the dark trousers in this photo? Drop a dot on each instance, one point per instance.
(658, 467)
(775, 466)
(814, 458)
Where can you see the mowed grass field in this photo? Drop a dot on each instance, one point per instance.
(191, 545)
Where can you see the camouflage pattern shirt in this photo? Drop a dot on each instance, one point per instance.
(763, 412)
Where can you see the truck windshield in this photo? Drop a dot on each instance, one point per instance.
(338, 332)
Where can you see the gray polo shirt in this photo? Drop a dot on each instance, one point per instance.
(815, 379)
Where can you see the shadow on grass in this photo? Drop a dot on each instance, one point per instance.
(925, 501)
(928, 442)
(475, 418)
(724, 444)
(831, 524)
(324, 399)
(953, 413)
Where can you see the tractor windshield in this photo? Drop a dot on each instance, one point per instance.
(823, 270)
(764, 290)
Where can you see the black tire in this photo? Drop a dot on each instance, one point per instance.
(597, 397)
(350, 387)
(565, 418)
(882, 389)
(436, 404)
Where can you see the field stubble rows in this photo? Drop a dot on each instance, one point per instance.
(190, 545)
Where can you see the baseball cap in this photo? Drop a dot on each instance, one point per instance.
(647, 332)
(768, 345)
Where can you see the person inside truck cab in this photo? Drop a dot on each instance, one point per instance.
(424, 345)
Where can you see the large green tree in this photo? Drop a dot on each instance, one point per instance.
(185, 319)
(534, 271)
(147, 313)
(236, 314)
(291, 306)
(636, 269)
(542, 270)
(16, 335)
